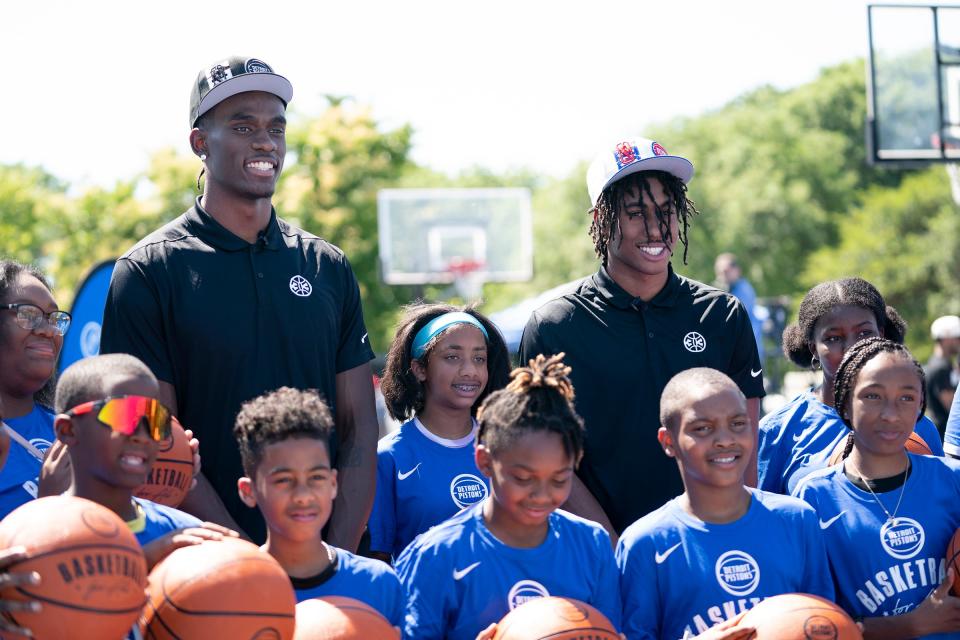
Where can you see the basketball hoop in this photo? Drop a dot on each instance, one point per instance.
(467, 278)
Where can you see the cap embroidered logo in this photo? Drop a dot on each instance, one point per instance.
(300, 286)
(257, 66)
(657, 149)
(694, 342)
(219, 73)
(626, 154)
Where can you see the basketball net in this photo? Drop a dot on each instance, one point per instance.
(467, 278)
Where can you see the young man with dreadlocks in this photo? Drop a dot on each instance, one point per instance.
(633, 325)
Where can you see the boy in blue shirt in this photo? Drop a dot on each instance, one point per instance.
(111, 422)
(283, 438)
(690, 568)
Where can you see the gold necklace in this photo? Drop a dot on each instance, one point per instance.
(891, 517)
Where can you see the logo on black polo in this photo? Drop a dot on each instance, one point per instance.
(524, 591)
(300, 286)
(467, 489)
(738, 573)
(694, 342)
(902, 538)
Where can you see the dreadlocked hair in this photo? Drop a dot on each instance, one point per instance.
(402, 392)
(538, 398)
(853, 362)
(612, 201)
(824, 298)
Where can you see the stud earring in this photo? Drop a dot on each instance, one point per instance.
(203, 157)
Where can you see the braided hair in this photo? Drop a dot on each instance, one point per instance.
(403, 394)
(538, 398)
(853, 362)
(613, 200)
(824, 298)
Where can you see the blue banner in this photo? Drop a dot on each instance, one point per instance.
(83, 338)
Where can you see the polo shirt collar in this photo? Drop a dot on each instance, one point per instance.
(618, 297)
(214, 233)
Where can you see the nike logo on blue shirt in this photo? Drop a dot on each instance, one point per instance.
(826, 523)
(403, 476)
(660, 557)
(457, 575)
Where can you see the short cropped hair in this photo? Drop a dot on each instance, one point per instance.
(277, 416)
(83, 380)
(676, 395)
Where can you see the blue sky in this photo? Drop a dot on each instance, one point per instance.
(92, 88)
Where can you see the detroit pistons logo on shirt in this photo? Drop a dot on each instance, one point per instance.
(467, 489)
(300, 286)
(694, 342)
(625, 154)
(524, 591)
(738, 573)
(902, 538)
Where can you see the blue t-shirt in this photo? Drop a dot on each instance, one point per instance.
(799, 438)
(884, 569)
(951, 436)
(420, 483)
(679, 576)
(459, 577)
(20, 477)
(159, 520)
(369, 581)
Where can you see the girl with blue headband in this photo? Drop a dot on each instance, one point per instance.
(443, 362)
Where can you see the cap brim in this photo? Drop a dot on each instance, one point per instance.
(674, 165)
(266, 82)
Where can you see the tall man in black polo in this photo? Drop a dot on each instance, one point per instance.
(228, 301)
(630, 327)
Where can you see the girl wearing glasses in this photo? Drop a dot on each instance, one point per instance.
(31, 335)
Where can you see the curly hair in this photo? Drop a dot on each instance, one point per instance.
(10, 271)
(538, 398)
(854, 360)
(278, 416)
(612, 201)
(402, 392)
(827, 296)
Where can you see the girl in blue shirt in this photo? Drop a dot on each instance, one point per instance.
(443, 362)
(887, 515)
(464, 575)
(800, 437)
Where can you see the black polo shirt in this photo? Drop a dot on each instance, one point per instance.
(224, 321)
(623, 351)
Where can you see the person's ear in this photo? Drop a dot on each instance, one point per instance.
(245, 489)
(65, 429)
(333, 483)
(198, 143)
(418, 370)
(484, 460)
(665, 438)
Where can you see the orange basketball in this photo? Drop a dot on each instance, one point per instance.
(953, 560)
(171, 474)
(557, 619)
(339, 618)
(92, 571)
(800, 616)
(219, 589)
(914, 444)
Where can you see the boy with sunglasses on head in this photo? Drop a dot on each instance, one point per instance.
(110, 419)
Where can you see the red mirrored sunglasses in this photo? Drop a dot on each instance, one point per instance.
(124, 413)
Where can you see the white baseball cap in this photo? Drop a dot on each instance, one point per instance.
(630, 156)
(945, 327)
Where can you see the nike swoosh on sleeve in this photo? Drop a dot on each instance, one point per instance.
(754, 374)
